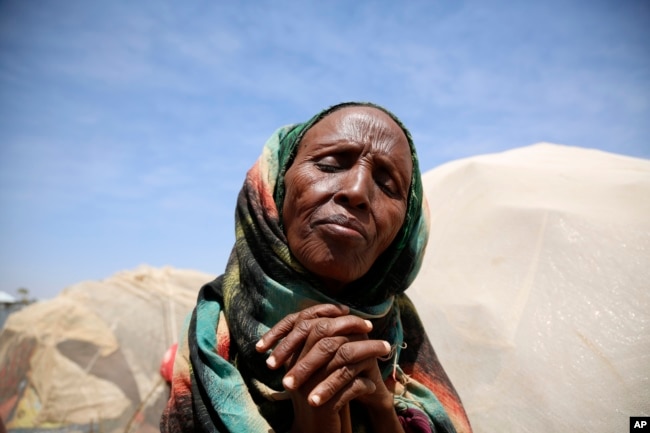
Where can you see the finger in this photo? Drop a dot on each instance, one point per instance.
(334, 353)
(357, 387)
(358, 351)
(321, 354)
(306, 333)
(343, 325)
(284, 326)
(341, 377)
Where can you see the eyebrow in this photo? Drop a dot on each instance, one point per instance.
(384, 156)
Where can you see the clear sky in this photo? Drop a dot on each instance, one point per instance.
(126, 127)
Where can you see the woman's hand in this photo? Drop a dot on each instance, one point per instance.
(330, 362)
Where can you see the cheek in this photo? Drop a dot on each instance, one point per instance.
(299, 201)
(389, 222)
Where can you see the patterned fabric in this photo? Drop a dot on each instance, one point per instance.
(414, 421)
(221, 383)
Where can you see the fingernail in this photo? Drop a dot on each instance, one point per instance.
(288, 382)
(369, 323)
(259, 343)
(270, 361)
(387, 345)
(315, 399)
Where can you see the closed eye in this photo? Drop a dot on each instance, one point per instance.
(327, 168)
(386, 182)
(335, 162)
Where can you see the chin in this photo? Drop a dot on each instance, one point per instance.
(336, 265)
(335, 275)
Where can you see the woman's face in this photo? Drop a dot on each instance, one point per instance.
(346, 193)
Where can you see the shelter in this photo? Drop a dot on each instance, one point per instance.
(88, 360)
(535, 287)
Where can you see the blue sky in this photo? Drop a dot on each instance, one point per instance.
(126, 128)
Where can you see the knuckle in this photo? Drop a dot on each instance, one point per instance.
(363, 385)
(346, 374)
(303, 327)
(302, 369)
(322, 328)
(282, 329)
(328, 346)
(323, 310)
(345, 354)
(291, 318)
(329, 388)
(282, 347)
(314, 311)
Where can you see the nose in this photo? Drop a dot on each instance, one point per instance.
(355, 188)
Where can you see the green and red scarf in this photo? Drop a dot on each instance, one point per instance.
(220, 382)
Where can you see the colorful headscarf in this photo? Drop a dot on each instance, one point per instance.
(221, 383)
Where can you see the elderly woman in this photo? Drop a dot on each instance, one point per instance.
(309, 329)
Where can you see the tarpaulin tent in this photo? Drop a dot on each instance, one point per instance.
(88, 360)
(535, 287)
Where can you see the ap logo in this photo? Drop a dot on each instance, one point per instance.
(640, 424)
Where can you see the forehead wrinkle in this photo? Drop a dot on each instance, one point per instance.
(370, 128)
(367, 128)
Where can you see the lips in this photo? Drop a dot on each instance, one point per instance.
(344, 221)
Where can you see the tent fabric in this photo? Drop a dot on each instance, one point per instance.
(535, 287)
(88, 360)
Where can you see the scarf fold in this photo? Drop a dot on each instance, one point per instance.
(221, 383)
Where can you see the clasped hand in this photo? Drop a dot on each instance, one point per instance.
(330, 361)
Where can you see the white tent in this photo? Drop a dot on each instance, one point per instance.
(536, 287)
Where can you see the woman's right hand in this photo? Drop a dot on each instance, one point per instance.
(330, 361)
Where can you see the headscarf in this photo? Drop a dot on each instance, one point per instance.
(221, 383)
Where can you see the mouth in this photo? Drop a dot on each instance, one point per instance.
(344, 222)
